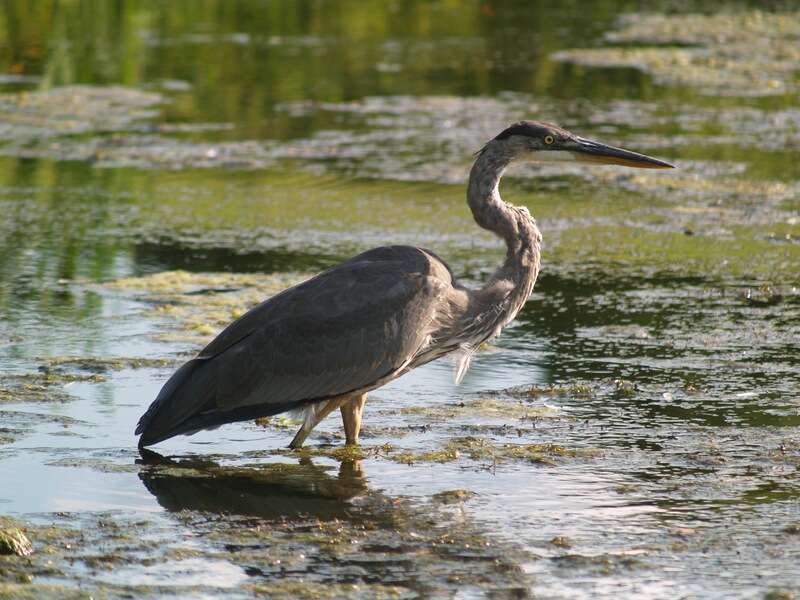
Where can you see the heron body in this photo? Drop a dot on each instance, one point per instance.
(325, 343)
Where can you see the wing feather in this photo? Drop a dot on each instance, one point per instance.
(344, 330)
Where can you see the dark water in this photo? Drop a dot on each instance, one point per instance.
(633, 434)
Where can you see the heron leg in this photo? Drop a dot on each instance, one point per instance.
(313, 418)
(351, 416)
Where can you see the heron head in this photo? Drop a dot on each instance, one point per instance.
(537, 141)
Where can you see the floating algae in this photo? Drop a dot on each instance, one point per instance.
(341, 452)
(17, 424)
(200, 305)
(601, 564)
(70, 550)
(148, 152)
(453, 496)
(327, 591)
(104, 365)
(485, 450)
(103, 125)
(486, 407)
(13, 540)
(281, 422)
(44, 386)
(168, 284)
(740, 53)
(475, 448)
(98, 465)
(703, 198)
(537, 391)
(73, 110)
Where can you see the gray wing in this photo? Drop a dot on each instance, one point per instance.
(344, 330)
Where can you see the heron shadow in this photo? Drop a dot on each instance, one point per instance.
(269, 491)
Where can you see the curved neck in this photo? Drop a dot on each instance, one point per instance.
(483, 194)
(512, 283)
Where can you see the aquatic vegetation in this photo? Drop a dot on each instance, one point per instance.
(484, 450)
(602, 564)
(323, 591)
(12, 539)
(692, 202)
(73, 110)
(485, 407)
(453, 496)
(728, 52)
(99, 465)
(780, 595)
(198, 305)
(561, 541)
(537, 391)
(624, 387)
(45, 386)
(341, 452)
(59, 122)
(18, 423)
(279, 422)
(681, 254)
(793, 529)
(104, 365)
(183, 283)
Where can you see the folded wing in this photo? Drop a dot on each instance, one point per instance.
(345, 330)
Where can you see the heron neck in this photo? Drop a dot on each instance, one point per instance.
(515, 278)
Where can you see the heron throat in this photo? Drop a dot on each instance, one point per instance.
(502, 297)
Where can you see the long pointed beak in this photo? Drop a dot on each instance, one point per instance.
(595, 152)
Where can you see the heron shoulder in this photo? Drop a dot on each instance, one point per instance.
(412, 258)
(377, 283)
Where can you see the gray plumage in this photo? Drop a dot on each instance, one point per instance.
(326, 342)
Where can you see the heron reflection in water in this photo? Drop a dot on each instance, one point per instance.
(327, 342)
(275, 490)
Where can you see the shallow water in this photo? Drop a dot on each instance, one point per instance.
(633, 434)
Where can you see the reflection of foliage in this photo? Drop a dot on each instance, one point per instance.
(263, 53)
(38, 242)
(55, 228)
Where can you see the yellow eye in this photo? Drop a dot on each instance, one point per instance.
(548, 139)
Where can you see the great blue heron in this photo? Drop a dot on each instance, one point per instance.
(325, 343)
